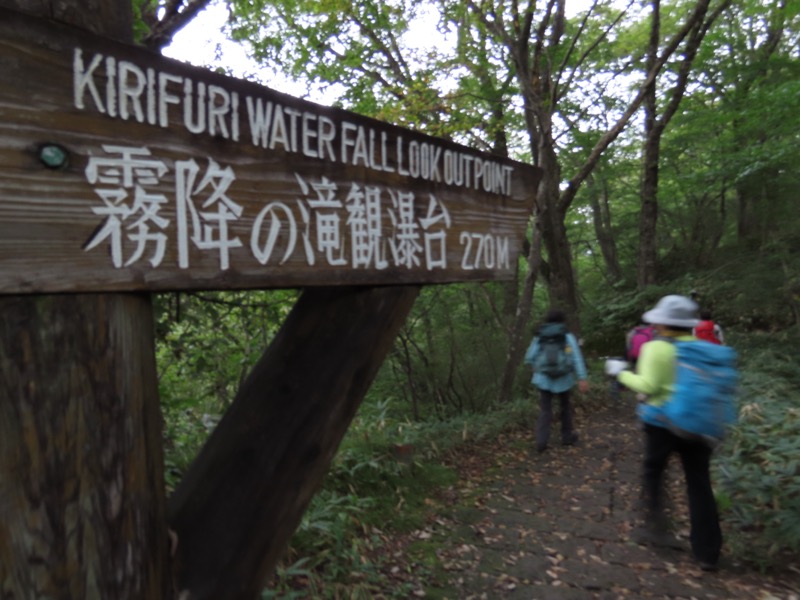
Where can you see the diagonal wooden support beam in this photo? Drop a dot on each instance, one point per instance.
(243, 497)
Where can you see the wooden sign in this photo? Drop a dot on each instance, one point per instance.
(124, 170)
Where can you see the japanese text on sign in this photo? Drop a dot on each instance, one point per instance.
(340, 227)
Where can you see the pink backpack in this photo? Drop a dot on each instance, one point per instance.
(641, 335)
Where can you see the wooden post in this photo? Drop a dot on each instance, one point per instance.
(81, 467)
(243, 497)
(81, 470)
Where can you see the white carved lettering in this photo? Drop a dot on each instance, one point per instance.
(123, 89)
(360, 153)
(327, 134)
(309, 133)
(219, 105)
(111, 86)
(400, 168)
(132, 83)
(198, 124)
(165, 98)
(259, 117)
(83, 80)
(294, 115)
(279, 134)
(347, 140)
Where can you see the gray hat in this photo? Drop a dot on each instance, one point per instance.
(675, 311)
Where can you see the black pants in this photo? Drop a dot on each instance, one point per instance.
(546, 417)
(705, 536)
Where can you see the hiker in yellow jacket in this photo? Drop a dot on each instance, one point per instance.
(673, 317)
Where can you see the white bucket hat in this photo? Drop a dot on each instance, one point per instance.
(675, 311)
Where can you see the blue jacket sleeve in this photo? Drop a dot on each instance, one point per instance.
(532, 350)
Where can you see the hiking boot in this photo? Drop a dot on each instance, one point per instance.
(708, 566)
(541, 448)
(658, 522)
(657, 538)
(570, 440)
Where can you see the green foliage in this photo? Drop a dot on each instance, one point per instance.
(142, 9)
(758, 469)
(449, 357)
(744, 289)
(359, 47)
(205, 346)
(614, 310)
(383, 482)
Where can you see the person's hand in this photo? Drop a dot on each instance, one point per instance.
(615, 366)
(583, 386)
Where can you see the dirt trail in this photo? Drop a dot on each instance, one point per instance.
(565, 525)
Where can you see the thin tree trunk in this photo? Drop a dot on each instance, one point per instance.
(601, 218)
(516, 346)
(562, 288)
(697, 27)
(648, 216)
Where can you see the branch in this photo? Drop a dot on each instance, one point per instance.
(395, 64)
(174, 20)
(571, 190)
(690, 54)
(592, 47)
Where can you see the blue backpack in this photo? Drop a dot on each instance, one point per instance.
(553, 358)
(703, 402)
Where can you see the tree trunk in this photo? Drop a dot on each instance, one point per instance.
(242, 498)
(81, 465)
(562, 288)
(516, 345)
(749, 222)
(697, 26)
(601, 218)
(648, 216)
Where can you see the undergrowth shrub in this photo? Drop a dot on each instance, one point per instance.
(383, 482)
(758, 468)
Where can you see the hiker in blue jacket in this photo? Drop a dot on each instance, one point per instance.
(673, 317)
(556, 359)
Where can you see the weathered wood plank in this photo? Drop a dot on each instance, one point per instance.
(179, 178)
(241, 500)
(110, 19)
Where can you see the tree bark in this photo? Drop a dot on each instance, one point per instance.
(563, 291)
(81, 465)
(241, 500)
(516, 345)
(697, 26)
(601, 218)
(648, 216)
